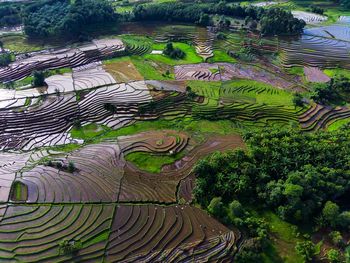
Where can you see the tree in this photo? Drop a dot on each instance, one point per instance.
(38, 78)
(347, 254)
(204, 19)
(345, 3)
(216, 207)
(69, 247)
(110, 107)
(65, 18)
(71, 166)
(298, 100)
(344, 220)
(276, 21)
(5, 59)
(336, 238)
(190, 93)
(330, 212)
(9, 85)
(174, 53)
(235, 210)
(334, 256)
(306, 249)
(316, 9)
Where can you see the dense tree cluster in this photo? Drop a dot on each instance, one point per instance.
(276, 21)
(272, 20)
(293, 173)
(174, 53)
(10, 15)
(39, 78)
(5, 59)
(345, 3)
(61, 18)
(168, 12)
(334, 91)
(316, 9)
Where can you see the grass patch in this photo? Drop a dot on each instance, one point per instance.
(190, 58)
(19, 191)
(338, 124)
(97, 239)
(151, 70)
(150, 162)
(20, 44)
(221, 56)
(208, 89)
(299, 71)
(283, 240)
(260, 92)
(337, 71)
(88, 132)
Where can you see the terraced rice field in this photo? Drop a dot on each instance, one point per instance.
(65, 172)
(312, 51)
(60, 58)
(309, 18)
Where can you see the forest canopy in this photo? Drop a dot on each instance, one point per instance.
(61, 18)
(273, 21)
(296, 174)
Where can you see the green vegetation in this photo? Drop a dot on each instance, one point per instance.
(50, 18)
(300, 191)
(150, 162)
(174, 53)
(149, 68)
(38, 78)
(284, 239)
(68, 247)
(20, 44)
(88, 132)
(338, 124)
(296, 71)
(10, 15)
(286, 191)
(5, 59)
(189, 51)
(337, 72)
(335, 91)
(299, 194)
(19, 191)
(272, 20)
(221, 56)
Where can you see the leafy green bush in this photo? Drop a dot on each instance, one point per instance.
(5, 59)
(174, 53)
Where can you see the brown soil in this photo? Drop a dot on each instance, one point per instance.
(123, 71)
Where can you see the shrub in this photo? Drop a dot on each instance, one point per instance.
(110, 107)
(174, 53)
(38, 78)
(316, 9)
(69, 247)
(298, 100)
(336, 238)
(5, 59)
(216, 207)
(306, 249)
(330, 213)
(334, 256)
(71, 167)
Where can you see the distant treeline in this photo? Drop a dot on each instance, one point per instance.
(10, 15)
(47, 18)
(60, 17)
(273, 21)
